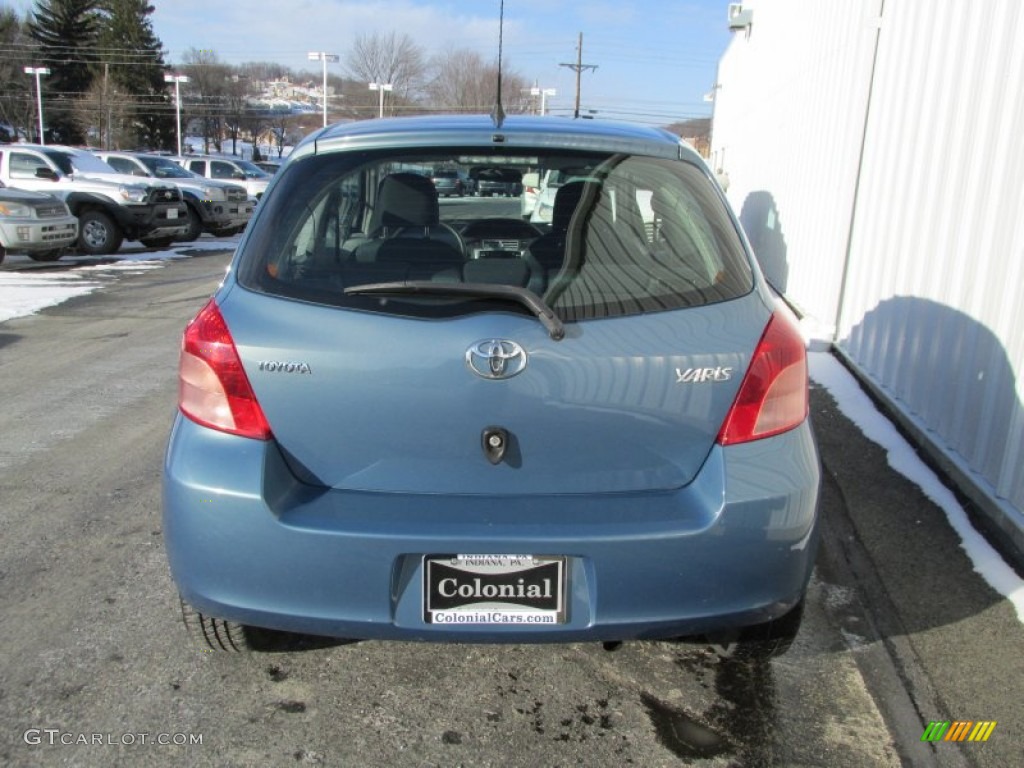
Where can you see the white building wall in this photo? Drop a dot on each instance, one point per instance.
(932, 308)
(789, 118)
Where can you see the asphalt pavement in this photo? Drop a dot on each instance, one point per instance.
(899, 631)
(934, 641)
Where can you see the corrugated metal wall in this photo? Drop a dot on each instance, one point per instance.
(932, 307)
(789, 118)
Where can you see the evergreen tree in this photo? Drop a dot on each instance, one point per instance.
(17, 96)
(131, 67)
(66, 32)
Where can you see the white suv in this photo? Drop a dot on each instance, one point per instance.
(252, 177)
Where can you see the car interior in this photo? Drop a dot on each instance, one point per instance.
(634, 235)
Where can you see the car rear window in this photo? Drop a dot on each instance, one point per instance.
(631, 234)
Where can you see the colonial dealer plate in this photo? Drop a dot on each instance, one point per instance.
(493, 589)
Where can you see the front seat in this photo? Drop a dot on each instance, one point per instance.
(549, 250)
(405, 226)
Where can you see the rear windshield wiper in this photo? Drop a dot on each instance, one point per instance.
(523, 296)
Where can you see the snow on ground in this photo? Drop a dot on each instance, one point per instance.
(24, 293)
(827, 371)
(28, 291)
(243, 149)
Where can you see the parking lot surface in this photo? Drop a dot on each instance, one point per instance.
(98, 671)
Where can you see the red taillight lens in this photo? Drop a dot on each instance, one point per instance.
(213, 389)
(773, 395)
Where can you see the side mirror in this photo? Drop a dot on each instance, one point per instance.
(237, 175)
(46, 173)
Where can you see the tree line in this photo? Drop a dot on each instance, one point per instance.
(106, 84)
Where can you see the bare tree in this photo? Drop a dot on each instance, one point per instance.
(207, 91)
(237, 89)
(380, 58)
(463, 82)
(280, 127)
(106, 113)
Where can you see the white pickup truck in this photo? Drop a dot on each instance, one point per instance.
(110, 207)
(33, 223)
(214, 206)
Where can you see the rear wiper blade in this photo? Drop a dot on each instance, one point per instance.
(523, 296)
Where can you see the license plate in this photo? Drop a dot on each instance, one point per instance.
(505, 590)
(172, 213)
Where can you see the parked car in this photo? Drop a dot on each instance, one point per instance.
(110, 207)
(402, 420)
(214, 206)
(447, 182)
(503, 182)
(253, 178)
(268, 166)
(36, 224)
(531, 190)
(540, 208)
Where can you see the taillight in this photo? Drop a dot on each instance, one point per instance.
(213, 389)
(773, 396)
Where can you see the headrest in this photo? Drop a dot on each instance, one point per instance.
(567, 197)
(407, 200)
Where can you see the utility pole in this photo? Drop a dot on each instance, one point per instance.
(104, 107)
(578, 67)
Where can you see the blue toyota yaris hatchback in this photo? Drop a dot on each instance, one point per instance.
(402, 418)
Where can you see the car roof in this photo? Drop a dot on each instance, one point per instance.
(528, 132)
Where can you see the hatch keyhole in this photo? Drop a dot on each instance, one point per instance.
(494, 441)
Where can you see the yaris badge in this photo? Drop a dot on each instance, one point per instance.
(496, 359)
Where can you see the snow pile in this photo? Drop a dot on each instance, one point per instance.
(858, 407)
(28, 291)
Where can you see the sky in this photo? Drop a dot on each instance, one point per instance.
(656, 59)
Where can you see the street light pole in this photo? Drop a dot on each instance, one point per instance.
(543, 93)
(37, 71)
(324, 57)
(381, 87)
(177, 80)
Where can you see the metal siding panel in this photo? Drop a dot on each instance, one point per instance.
(788, 123)
(944, 249)
(933, 312)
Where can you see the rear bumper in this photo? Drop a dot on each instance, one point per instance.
(247, 542)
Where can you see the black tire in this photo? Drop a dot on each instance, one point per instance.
(215, 634)
(98, 235)
(3, 254)
(157, 242)
(195, 226)
(51, 255)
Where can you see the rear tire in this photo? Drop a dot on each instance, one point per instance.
(215, 634)
(3, 254)
(98, 235)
